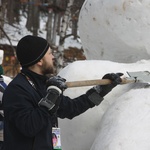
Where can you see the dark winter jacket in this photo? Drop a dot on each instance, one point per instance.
(28, 126)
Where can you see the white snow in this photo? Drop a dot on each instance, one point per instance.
(121, 121)
(126, 124)
(116, 30)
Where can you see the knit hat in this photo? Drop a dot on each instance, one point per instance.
(31, 49)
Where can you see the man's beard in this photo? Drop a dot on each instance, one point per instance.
(47, 69)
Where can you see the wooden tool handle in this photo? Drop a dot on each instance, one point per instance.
(96, 82)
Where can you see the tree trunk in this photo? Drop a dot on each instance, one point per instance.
(1, 19)
(57, 9)
(50, 22)
(64, 26)
(33, 17)
(10, 13)
(56, 17)
(16, 9)
(75, 15)
(29, 16)
(49, 27)
(75, 27)
(13, 7)
(2, 16)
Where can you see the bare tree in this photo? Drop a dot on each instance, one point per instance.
(2, 12)
(10, 16)
(56, 11)
(55, 16)
(64, 26)
(33, 16)
(75, 15)
(49, 23)
(13, 8)
(49, 27)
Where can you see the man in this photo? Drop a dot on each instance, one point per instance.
(32, 100)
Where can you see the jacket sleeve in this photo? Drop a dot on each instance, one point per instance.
(70, 108)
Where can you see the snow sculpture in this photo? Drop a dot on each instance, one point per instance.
(81, 132)
(126, 124)
(116, 30)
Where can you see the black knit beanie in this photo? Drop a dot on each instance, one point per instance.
(31, 49)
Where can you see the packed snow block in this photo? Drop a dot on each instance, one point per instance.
(126, 124)
(81, 132)
(115, 30)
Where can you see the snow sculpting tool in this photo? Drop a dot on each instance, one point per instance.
(139, 76)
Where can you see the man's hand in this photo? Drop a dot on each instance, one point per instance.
(97, 93)
(55, 86)
(58, 82)
(115, 78)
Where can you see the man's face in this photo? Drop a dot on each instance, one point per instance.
(48, 66)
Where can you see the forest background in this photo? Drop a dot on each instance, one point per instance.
(61, 22)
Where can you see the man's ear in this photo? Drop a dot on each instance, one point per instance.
(40, 62)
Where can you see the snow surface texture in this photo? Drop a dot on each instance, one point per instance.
(126, 124)
(116, 30)
(121, 121)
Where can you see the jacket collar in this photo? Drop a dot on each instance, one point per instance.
(37, 79)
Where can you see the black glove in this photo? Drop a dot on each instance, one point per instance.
(97, 93)
(56, 81)
(55, 86)
(52, 99)
(105, 89)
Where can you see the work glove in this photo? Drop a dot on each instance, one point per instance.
(55, 86)
(97, 93)
(56, 81)
(115, 80)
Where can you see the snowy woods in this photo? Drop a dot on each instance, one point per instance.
(55, 12)
(55, 20)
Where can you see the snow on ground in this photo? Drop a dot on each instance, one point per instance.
(121, 121)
